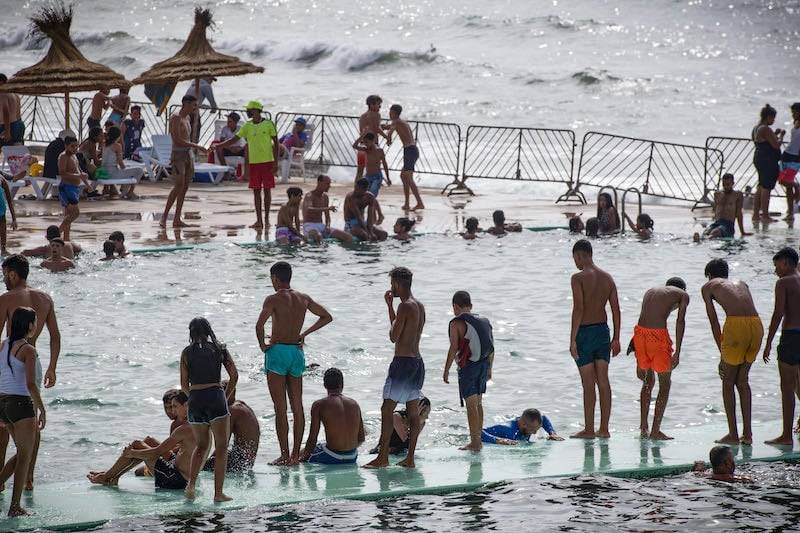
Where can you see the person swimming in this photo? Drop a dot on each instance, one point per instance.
(520, 429)
(576, 224)
(607, 215)
(643, 226)
(592, 227)
(471, 226)
(402, 228)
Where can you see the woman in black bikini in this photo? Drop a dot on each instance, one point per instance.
(201, 369)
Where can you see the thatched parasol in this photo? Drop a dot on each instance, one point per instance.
(64, 69)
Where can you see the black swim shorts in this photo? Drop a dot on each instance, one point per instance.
(410, 156)
(472, 379)
(167, 476)
(789, 347)
(207, 405)
(14, 408)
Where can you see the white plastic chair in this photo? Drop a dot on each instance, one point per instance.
(162, 153)
(296, 158)
(41, 185)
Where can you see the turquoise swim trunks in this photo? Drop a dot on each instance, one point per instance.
(285, 360)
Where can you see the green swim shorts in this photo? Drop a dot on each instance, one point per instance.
(285, 360)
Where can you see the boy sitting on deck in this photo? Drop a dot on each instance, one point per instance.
(288, 231)
(520, 429)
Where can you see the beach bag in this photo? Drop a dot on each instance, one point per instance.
(102, 174)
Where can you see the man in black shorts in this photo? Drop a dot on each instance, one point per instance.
(410, 154)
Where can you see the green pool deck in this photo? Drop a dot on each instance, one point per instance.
(79, 504)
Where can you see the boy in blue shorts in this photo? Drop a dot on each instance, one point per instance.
(374, 159)
(69, 190)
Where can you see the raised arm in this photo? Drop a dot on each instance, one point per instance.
(266, 312)
(711, 311)
(399, 322)
(324, 319)
(55, 346)
(577, 314)
(777, 317)
(616, 318)
(680, 327)
(630, 222)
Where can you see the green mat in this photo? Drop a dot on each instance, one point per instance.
(78, 504)
(163, 249)
(547, 228)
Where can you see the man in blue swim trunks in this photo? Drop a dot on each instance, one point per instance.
(69, 190)
(727, 210)
(12, 129)
(284, 360)
(344, 427)
(374, 157)
(591, 344)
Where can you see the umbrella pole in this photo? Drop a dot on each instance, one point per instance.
(66, 111)
(196, 119)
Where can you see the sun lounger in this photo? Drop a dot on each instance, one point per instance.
(162, 152)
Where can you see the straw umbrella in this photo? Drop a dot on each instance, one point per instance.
(64, 69)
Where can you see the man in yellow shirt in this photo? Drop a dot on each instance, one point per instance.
(262, 151)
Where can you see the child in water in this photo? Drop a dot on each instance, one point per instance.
(109, 248)
(607, 215)
(643, 226)
(501, 227)
(576, 224)
(592, 227)
(402, 228)
(471, 226)
(288, 231)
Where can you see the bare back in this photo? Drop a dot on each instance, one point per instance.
(597, 287)
(288, 312)
(341, 418)
(10, 102)
(244, 426)
(27, 297)
(412, 313)
(657, 305)
(733, 296)
(99, 102)
(790, 285)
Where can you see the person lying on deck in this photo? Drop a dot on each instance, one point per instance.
(520, 429)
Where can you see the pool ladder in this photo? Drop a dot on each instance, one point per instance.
(621, 205)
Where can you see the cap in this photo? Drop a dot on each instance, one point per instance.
(63, 134)
(300, 120)
(254, 104)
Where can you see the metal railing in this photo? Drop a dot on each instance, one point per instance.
(738, 160)
(208, 120)
(667, 170)
(44, 117)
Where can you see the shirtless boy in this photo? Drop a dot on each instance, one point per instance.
(727, 210)
(591, 344)
(653, 348)
(369, 122)
(53, 232)
(100, 103)
(374, 157)
(787, 310)
(316, 205)
(57, 262)
(355, 223)
(69, 190)
(284, 360)
(12, 129)
(738, 343)
(288, 230)
(410, 154)
(407, 370)
(182, 160)
(341, 418)
(246, 435)
(501, 227)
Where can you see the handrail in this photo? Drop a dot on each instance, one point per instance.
(622, 205)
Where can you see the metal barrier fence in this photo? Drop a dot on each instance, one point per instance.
(208, 120)
(44, 116)
(332, 137)
(738, 153)
(667, 170)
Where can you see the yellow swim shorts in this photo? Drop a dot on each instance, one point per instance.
(741, 339)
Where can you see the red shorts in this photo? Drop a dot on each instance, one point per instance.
(261, 176)
(361, 158)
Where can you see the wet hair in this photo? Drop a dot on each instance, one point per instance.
(582, 246)
(281, 270)
(3, 78)
(645, 221)
(200, 329)
(117, 236)
(108, 124)
(397, 108)
(58, 240)
(369, 136)
(112, 135)
(21, 321)
(94, 133)
(136, 108)
(768, 111)
(795, 107)
(374, 99)
(294, 191)
(532, 414)
(574, 224)
(169, 395)
(402, 276)
(462, 299)
(18, 264)
(69, 140)
(610, 203)
(716, 268)
(727, 176)
(471, 224)
(52, 232)
(592, 227)
(717, 456)
(406, 223)
(333, 379)
(788, 254)
(362, 183)
(498, 217)
(676, 282)
(109, 248)
(181, 397)
(322, 177)
(188, 99)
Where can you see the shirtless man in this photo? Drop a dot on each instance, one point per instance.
(369, 122)
(374, 157)
(787, 310)
(169, 410)
(288, 230)
(344, 428)
(246, 435)
(727, 209)
(12, 129)
(407, 370)
(53, 232)
(653, 348)
(284, 360)
(69, 190)
(18, 294)
(100, 103)
(182, 160)
(315, 206)
(355, 223)
(591, 345)
(119, 108)
(501, 227)
(410, 154)
(723, 466)
(167, 473)
(738, 343)
(57, 262)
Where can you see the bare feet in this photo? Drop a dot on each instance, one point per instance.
(644, 433)
(222, 498)
(163, 223)
(378, 462)
(29, 485)
(780, 441)
(418, 207)
(283, 460)
(189, 492)
(585, 434)
(728, 439)
(100, 478)
(659, 435)
(747, 440)
(471, 447)
(257, 225)
(404, 207)
(182, 224)
(408, 462)
(17, 511)
(603, 434)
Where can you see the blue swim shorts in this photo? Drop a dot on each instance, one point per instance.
(285, 360)
(69, 194)
(375, 182)
(325, 456)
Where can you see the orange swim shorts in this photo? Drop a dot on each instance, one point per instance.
(653, 349)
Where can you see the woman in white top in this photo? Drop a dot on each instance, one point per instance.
(20, 378)
(792, 155)
(114, 165)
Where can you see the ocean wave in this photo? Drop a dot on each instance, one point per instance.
(563, 23)
(82, 402)
(591, 76)
(10, 38)
(100, 37)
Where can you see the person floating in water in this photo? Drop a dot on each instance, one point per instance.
(576, 224)
(607, 215)
(57, 262)
(284, 360)
(288, 230)
(738, 343)
(591, 344)
(501, 227)
(723, 466)
(108, 251)
(407, 370)
(592, 227)
(520, 429)
(245, 432)
(787, 310)
(52, 232)
(398, 442)
(471, 226)
(341, 418)
(472, 347)
(727, 210)
(402, 229)
(653, 348)
(643, 226)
